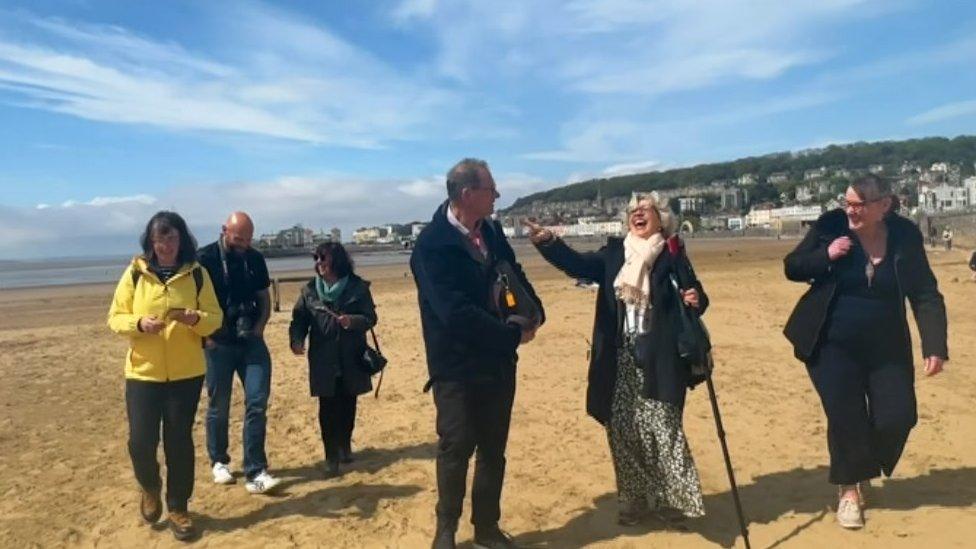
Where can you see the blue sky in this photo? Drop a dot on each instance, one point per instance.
(349, 113)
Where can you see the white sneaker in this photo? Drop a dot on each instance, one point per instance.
(222, 474)
(262, 483)
(849, 514)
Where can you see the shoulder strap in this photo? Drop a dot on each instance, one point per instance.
(198, 280)
(376, 343)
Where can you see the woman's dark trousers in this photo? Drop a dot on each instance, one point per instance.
(174, 405)
(868, 395)
(337, 419)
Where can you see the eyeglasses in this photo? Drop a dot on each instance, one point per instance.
(171, 238)
(858, 205)
(319, 258)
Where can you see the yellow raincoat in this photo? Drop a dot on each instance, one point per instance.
(176, 352)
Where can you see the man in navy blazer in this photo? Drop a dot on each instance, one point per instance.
(471, 338)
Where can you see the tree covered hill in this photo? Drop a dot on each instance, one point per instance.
(892, 155)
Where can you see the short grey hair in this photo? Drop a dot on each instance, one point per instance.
(464, 175)
(669, 222)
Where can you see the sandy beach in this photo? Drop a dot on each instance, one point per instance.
(66, 478)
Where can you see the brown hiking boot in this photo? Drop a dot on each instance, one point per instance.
(151, 506)
(182, 525)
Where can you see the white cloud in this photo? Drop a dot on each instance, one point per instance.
(514, 185)
(632, 168)
(640, 47)
(945, 112)
(428, 187)
(106, 225)
(607, 135)
(100, 201)
(280, 77)
(598, 140)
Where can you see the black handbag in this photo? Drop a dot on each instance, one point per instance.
(373, 360)
(513, 298)
(694, 343)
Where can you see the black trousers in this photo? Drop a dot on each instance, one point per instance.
(174, 405)
(472, 416)
(337, 419)
(869, 398)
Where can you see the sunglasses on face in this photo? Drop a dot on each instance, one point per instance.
(319, 258)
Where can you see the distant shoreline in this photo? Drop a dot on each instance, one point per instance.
(288, 266)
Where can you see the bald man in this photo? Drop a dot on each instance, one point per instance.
(240, 278)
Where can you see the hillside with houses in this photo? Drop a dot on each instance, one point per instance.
(779, 192)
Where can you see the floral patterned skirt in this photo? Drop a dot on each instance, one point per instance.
(651, 457)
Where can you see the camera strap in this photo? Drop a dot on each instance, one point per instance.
(226, 270)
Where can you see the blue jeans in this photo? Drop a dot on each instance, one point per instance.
(252, 364)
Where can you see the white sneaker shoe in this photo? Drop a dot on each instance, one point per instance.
(262, 483)
(222, 474)
(849, 514)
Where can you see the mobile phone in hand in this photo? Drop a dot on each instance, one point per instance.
(173, 313)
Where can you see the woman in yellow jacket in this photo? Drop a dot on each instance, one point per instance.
(165, 305)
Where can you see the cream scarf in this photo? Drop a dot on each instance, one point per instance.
(633, 284)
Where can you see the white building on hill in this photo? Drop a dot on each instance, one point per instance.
(944, 198)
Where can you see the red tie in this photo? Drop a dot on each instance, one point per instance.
(475, 237)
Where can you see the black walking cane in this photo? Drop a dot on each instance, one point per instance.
(693, 323)
(725, 453)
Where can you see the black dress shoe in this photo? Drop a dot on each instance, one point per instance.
(493, 537)
(444, 539)
(332, 469)
(346, 455)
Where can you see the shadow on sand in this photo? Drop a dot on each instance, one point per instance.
(768, 497)
(359, 500)
(334, 501)
(368, 460)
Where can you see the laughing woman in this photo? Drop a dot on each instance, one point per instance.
(637, 381)
(850, 329)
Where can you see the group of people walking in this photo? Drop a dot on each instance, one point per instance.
(192, 316)
(197, 317)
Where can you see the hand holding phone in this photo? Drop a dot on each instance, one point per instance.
(183, 316)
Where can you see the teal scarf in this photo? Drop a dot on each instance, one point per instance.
(328, 293)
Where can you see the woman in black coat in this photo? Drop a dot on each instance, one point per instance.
(334, 310)
(637, 380)
(850, 330)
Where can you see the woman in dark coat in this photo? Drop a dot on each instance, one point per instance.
(850, 329)
(637, 381)
(334, 310)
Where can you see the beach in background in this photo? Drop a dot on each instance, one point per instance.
(66, 478)
(64, 272)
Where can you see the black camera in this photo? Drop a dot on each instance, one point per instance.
(242, 318)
